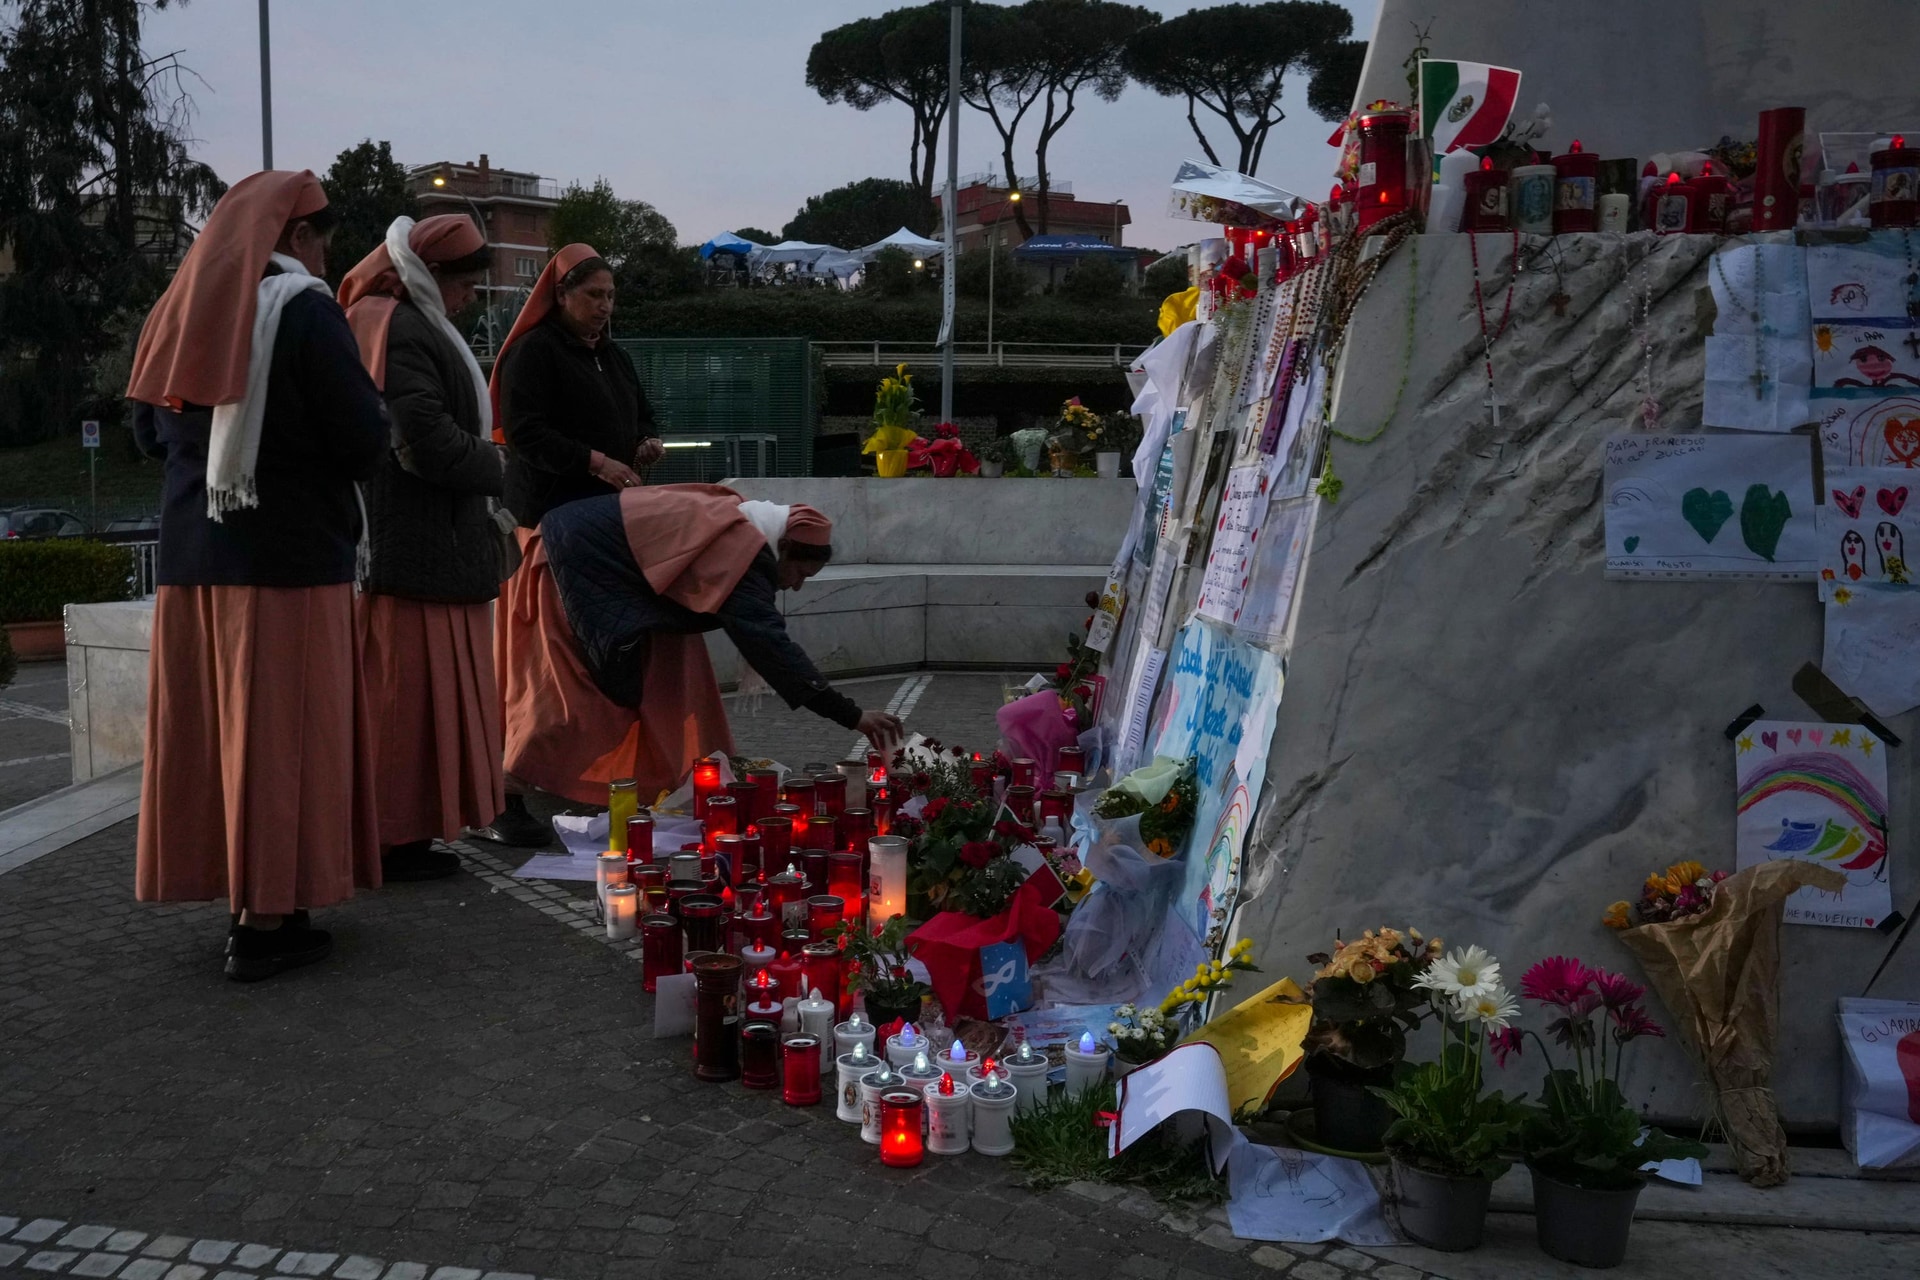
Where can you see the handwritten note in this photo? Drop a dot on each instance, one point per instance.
(1710, 506)
(1236, 532)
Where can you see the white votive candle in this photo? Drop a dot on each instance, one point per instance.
(849, 1068)
(816, 1019)
(1026, 1070)
(947, 1111)
(623, 902)
(872, 1085)
(608, 869)
(1086, 1064)
(992, 1102)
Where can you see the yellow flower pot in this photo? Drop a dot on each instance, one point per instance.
(891, 463)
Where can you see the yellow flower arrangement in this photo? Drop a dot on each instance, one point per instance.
(892, 411)
(1616, 917)
(1210, 976)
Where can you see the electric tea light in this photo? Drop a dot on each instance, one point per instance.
(849, 1068)
(992, 1102)
(1086, 1064)
(947, 1111)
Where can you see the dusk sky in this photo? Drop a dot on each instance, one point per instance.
(701, 109)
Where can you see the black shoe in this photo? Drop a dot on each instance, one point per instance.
(301, 919)
(261, 953)
(405, 863)
(516, 827)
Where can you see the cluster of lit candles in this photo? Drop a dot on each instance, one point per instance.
(754, 912)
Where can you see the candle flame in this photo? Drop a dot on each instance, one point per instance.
(1486, 163)
(1899, 141)
(1673, 179)
(855, 1020)
(991, 1064)
(907, 1036)
(1576, 148)
(946, 1084)
(859, 1049)
(1086, 1042)
(920, 1062)
(958, 1053)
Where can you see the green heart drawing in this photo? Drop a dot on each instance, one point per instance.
(1706, 512)
(1632, 543)
(1763, 514)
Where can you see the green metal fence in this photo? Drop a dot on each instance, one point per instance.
(729, 406)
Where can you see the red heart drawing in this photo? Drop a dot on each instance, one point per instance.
(1903, 440)
(1772, 740)
(1850, 503)
(1907, 1054)
(1793, 736)
(1891, 500)
(1814, 735)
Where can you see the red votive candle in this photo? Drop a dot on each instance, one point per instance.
(824, 912)
(1383, 166)
(802, 830)
(800, 792)
(884, 805)
(639, 841)
(1576, 190)
(1675, 207)
(746, 799)
(856, 828)
(1071, 760)
(785, 975)
(820, 969)
(1892, 200)
(1485, 208)
(761, 925)
(776, 843)
(648, 878)
(901, 1112)
(751, 857)
(813, 865)
(845, 879)
(1776, 168)
(980, 773)
(716, 1039)
(659, 949)
(1020, 802)
(755, 959)
(830, 792)
(782, 891)
(723, 818)
(726, 853)
(800, 1071)
(706, 785)
(1057, 806)
(1026, 773)
(701, 917)
(794, 941)
(1713, 198)
(760, 1052)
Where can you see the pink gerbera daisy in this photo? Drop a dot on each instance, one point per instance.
(1632, 1022)
(1616, 990)
(1556, 980)
(1505, 1043)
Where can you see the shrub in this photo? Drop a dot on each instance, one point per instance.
(980, 272)
(891, 274)
(1093, 280)
(8, 666)
(38, 579)
(1165, 278)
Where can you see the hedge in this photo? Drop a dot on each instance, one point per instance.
(823, 315)
(9, 666)
(38, 579)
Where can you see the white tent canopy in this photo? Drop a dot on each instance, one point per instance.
(918, 246)
(790, 251)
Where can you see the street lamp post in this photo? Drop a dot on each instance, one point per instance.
(993, 256)
(266, 93)
(440, 181)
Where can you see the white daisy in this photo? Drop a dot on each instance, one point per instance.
(1461, 974)
(1494, 1007)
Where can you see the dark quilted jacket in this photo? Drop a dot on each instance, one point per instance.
(433, 536)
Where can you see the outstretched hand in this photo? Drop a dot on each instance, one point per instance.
(883, 731)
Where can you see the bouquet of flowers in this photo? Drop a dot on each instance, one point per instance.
(1366, 996)
(944, 455)
(1142, 1035)
(1584, 1132)
(893, 407)
(1165, 796)
(1208, 977)
(1077, 429)
(1682, 890)
(1445, 1123)
(958, 861)
(877, 961)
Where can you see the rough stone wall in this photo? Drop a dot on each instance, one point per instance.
(1479, 735)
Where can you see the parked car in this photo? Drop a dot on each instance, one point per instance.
(40, 522)
(141, 529)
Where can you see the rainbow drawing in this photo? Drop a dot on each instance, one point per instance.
(1831, 778)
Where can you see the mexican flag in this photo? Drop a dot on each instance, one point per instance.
(1465, 104)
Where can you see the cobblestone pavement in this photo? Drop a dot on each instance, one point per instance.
(34, 756)
(468, 1086)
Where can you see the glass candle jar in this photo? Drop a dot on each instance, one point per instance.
(746, 800)
(980, 773)
(902, 1114)
(622, 912)
(760, 1055)
(726, 853)
(821, 962)
(716, 1041)
(884, 804)
(800, 1071)
(683, 868)
(1025, 773)
(813, 867)
(751, 857)
(1057, 806)
(887, 885)
(706, 785)
(830, 793)
(651, 881)
(947, 1108)
(1020, 803)
(785, 973)
(640, 839)
(660, 949)
(785, 890)
(609, 869)
(723, 818)
(623, 801)
(761, 926)
(776, 842)
(856, 828)
(825, 911)
(844, 881)
(701, 917)
(799, 792)
(1070, 760)
(768, 782)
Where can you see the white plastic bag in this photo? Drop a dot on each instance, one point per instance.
(1880, 1094)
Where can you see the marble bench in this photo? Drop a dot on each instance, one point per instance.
(926, 573)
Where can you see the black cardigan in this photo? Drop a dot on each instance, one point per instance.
(562, 400)
(612, 610)
(433, 535)
(324, 428)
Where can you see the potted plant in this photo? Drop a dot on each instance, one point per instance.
(1448, 1140)
(1028, 444)
(943, 455)
(994, 456)
(877, 965)
(1584, 1146)
(1364, 1002)
(1140, 1036)
(1072, 436)
(893, 434)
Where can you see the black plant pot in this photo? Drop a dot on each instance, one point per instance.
(1346, 1116)
(1586, 1226)
(1439, 1210)
(880, 1012)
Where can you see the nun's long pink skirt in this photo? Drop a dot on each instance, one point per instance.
(437, 740)
(259, 773)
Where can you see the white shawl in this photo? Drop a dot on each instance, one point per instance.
(234, 446)
(424, 292)
(770, 518)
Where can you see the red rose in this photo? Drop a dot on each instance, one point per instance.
(934, 809)
(922, 780)
(1063, 671)
(978, 853)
